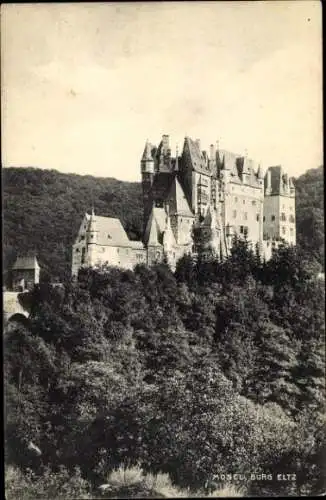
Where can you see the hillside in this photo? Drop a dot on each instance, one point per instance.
(43, 210)
(310, 213)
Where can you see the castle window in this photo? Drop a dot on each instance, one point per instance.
(82, 237)
(236, 199)
(245, 216)
(257, 217)
(291, 231)
(283, 218)
(109, 236)
(117, 250)
(264, 218)
(83, 256)
(273, 217)
(283, 230)
(244, 202)
(253, 202)
(234, 214)
(291, 218)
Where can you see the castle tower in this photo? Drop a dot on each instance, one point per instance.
(279, 206)
(147, 173)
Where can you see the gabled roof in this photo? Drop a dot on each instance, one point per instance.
(227, 159)
(280, 182)
(109, 231)
(177, 200)
(197, 159)
(168, 236)
(28, 262)
(155, 226)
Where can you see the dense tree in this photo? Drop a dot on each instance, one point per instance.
(193, 374)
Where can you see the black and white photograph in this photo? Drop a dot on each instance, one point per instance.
(163, 249)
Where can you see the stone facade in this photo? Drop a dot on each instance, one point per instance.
(25, 273)
(195, 201)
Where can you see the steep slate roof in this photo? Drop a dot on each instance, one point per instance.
(28, 262)
(155, 226)
(177, 200)
(109, 231)
(197, 159)
(162, 184)
(276, 176)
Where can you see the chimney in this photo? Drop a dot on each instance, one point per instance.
(212, 152)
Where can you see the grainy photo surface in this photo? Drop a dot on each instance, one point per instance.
(163, 250)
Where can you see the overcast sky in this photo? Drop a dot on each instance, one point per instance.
(84, 85)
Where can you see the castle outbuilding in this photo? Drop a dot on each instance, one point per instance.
(194, 202)
(25, 273)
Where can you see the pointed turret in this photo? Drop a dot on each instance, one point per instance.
(147, 161)
(260, 173)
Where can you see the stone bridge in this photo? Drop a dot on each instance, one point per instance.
(13, 309)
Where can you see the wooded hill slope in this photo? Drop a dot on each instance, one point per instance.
(43, 209)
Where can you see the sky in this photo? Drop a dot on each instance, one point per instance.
(85, 85)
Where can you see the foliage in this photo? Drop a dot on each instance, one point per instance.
(184, 376)
(310, 213)
(43, 210)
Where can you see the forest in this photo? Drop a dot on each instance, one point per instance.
(44, 208)
(206, 381)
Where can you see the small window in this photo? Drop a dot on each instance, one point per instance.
(253, 202)
(245, 230)
(283, 230)
(109, 237)
(273, 217)
(264, 218)
(245, 216)
(292, 218)
(83, 256)
(257, 217)
(244, 202)
(117, 250)
(77, 250)
(283, 218)
(291, 231)
(234, 214)
(82, 237)
(236, 199)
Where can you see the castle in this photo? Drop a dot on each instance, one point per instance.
(194, 203)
